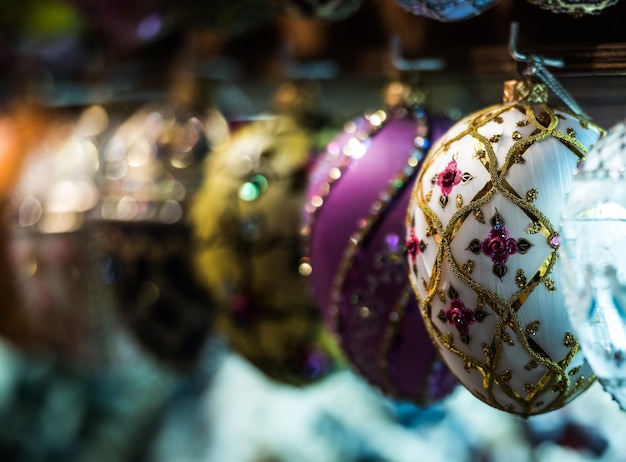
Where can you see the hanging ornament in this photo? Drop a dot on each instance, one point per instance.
(330, 10)
(447, 10)
(224, 16)
(594, 276)
(21, 127)
(354, 226)
(151, 167)
(49, 234)
(246, 220)
(484, 245)
(576, 8)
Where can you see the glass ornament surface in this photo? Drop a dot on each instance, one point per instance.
(447, 10)
(483, 218)
(594, 279)
(358, 192)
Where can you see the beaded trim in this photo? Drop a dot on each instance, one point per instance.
(341, 160)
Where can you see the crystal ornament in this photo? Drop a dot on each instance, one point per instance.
(593, 247)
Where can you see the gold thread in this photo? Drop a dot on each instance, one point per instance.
(389, 335)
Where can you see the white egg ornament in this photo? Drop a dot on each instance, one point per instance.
(483, 249)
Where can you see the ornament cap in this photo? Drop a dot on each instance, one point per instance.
(528, 91)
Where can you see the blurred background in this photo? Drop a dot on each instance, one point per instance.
(155, 302)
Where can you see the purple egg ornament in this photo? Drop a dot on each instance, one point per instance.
(356, 205)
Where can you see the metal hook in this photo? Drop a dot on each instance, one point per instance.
(525, 58)
(537, 67)
(406, 65)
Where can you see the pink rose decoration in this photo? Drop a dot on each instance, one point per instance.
(449, 178)
(461, 316)
(498, 245)
(413, 246)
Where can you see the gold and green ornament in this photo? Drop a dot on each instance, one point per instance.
(246, 222)
(483, 240)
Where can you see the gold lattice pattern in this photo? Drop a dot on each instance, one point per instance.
(494, 256)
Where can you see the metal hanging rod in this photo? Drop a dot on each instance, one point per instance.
(418, 64)
(537, 67)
